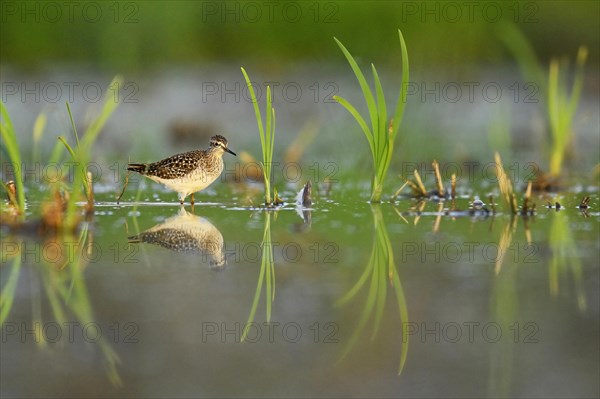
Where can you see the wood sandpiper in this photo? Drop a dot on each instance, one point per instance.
(189, 172)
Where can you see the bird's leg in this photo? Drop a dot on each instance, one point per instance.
(192, 199)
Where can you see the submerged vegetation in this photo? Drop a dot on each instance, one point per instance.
(382, 133)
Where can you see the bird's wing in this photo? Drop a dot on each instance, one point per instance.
(176, 166)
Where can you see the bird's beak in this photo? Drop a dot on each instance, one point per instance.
(231, 152)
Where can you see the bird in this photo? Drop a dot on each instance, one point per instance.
(188, 172)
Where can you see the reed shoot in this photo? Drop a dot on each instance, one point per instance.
(267, 135)
(81, 154)
(560, 105)
(11, 146)
(382, 133)
(562, 108)
(505, 184)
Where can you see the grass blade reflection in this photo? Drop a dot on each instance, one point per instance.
(381, 269)
(266, 276)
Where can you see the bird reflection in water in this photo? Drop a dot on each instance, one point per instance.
(187, 233)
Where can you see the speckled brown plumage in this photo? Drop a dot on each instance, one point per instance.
(188, 172)
(173, 167)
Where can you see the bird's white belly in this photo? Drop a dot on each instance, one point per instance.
(186, 185)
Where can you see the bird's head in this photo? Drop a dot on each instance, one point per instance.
(220, 143)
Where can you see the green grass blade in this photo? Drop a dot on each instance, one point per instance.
(398, 115)
(385, 146)
(554, 118)
(72, 124)
(266, 133)
(268, 299)
(384, 254)
(524, 53)
(361, 281)
(364, 316)
(8, 291)
(267, 271)
(49, 281)
(272, 146)
(39, 127)
(110, 104)
(67, 146)
(9, 136)
(268, 149)
(401, 300)
(256, 108)
(267, 138)
(272, 271)
(577, 83)
(360, 120)
(380, 136)
(267, 264)
(81, 155)
(380, 266)
(553, 97)
(364, 86)
(56, 153)
(254, 302)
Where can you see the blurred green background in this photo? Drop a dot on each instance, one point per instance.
(127, 36)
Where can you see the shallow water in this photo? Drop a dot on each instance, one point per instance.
(360, 300)
(438, 310)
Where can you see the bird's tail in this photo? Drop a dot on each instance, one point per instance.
(137, 167)
(134, 239)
